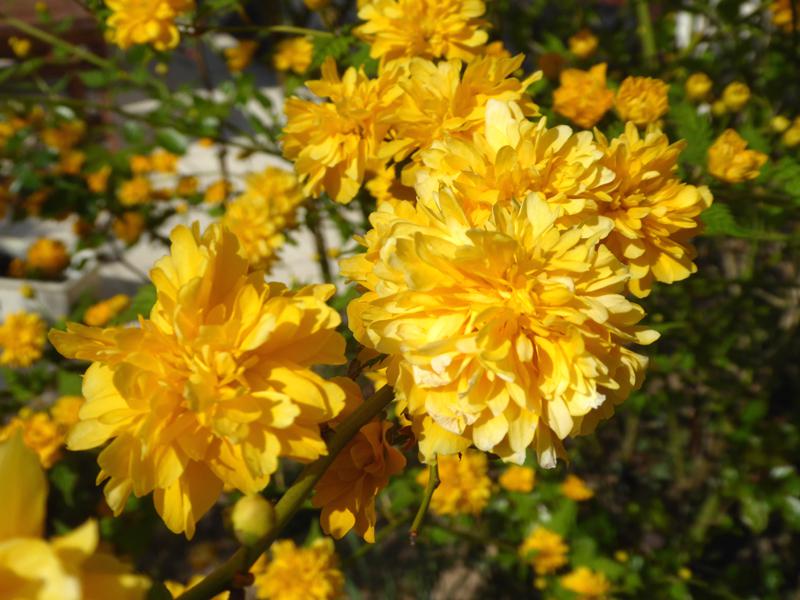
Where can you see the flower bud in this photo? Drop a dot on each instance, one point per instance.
(735, 96)
(779, 123)
(698, 86)
(252, 517)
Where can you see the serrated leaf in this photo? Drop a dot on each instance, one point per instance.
(325, 46)
(695, 129)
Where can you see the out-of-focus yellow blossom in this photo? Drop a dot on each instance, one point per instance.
(263, 213)
(698, 87)
(518, 479)
(718, 108)
(146, 22)
(252, 517)
(65, 136)
(140, 164)
(39, 432)
(134, 191)
(642, 100)
(17, 268)
(98, 181)
(164, 162)
(583, 44)
(48, 257)
(187, 186)
(210, 390)
(26, 291)
(735, 96)
(779, 124)
(551, 64)
(621, 556)
(684, 573)
(576, 489)
(293, 54)
(791, 137)
(545, 550)
(65, 410)
(239, 56)
(21, 47)
(293, 573)
(655, 214)
(217, 192)
(347, 491)
(464, 487)
(161, 68)
(177, 588)
(128, 227)
(67, 567)
(71, 161)
(423, 28)
(587, 584)
(101, 313)
(335, 143)
(583, 97)
(316, 4)
(730, 160)
(783, 15)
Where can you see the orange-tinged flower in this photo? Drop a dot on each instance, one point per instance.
(217, 192)
(576, 489)
(783, 15)
(146, 22)
(129, 226)
(735, 96)
(293, 573)
(101, 313)
(464, 486)
(583, 44)
(135, 191)
(642, 100)
(210, 390)
(71, 162)
(583, 97)
(48, 257)
(98, 181)
(187, 186)
(293, 54)
(518, 479)
(65, 410)
(587, 584)
(162, 161)
(39, 432)
(22, 338)
(729, 159)
(65, 136)
(240, 55)
(20, 46)
(140, 164)
(545, 550)
(698, 86)
(425, 28)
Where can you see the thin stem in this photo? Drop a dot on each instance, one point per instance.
(646, 35)
(314, 223)
(430, 487)
(261, 29)
(220, 579)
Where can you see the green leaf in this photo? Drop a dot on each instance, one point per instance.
(69, 384)
(695, 129)
(141, 304)
(755, 513)
(172, 140)
(95, 79)
(64, 479)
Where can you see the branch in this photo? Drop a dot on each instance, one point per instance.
(220, 579)
(430, 487)
(646, 35)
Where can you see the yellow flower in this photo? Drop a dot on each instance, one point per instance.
(164, 162)
(698, 86)
(240, 55)
(347, 491)
(101, 313)
(684, 573)
(26, 291)
(39, 432)
(655, 214)
(21, 47)
(252, 517)
(779, 123)
(293, 54)
(146, 22)
(576, 489)
(504, 334)
(335, 143)
(187, 186)
(464, 488)
(70, 162)
(642, 100)
(621, 556)
(261, 215)
(735, 96)
(791, 137)
(48, 257)
(67, 567)
(783, 15)
(718, 108)
(17, 268)
(210, 390)
(134, 191)
(587, 584)
(65, 136)
(294, 573)
(140, 164)
(217, 192)
(518, 479)
(128, 227)
(424, 28)
(730, 160)
(583, 97)
(65, 410)
(385, 186)
(98, 181)
(583, 44)
(545, 550)
(22, 337)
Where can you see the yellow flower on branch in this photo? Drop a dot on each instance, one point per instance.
(735, 96)
(48, 257)
(642, 100)
(583, 97)
(464, 485)
(293, 54)
(240, 55)
(545, 550)
(518, 479)
(729, 159)
(587, 584)
(135, 191)
(293, 573)
(423, 28)
(22, 338)
(146, 22)
(576, 489)
(210, 390)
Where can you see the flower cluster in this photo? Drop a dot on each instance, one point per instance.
(22, 339)
(729, 159)
(464, 485)
(294, 573)
(146, 22)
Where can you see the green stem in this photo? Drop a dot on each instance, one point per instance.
(314, 223)
(646, 35)
(220, 578)
(430, 487)
(261, 29)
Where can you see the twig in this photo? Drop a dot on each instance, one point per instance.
(430, 487)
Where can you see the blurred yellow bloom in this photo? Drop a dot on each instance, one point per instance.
(783, 15)
(240, 55)
(587, 584)
(128, 227)
(293, 54)
(424, 28)
(779, 124)
(791, 137)
(21, 47)
(545, 550)
(164, 162)
(684, 573)
(263, 213)
(48, 257)
(583, 97)
(210, 390)
(293, 573)
(101, 313)
(26, 291)
(730, 160)
(464, 488)
(22, 338)
(187, 186)
(134, 191)
(698, 86)
(252, 517)
(735, 96)
(216, 192)
(140, 164)
(621, 556)
(39, 432)
(583, 44)
(576, 489)
(98, 181)
(518, 479)
(718, 108)
(17, 268)
(65, 136)
(642, 100)
(146, 22)
(65, 410)
(70, 162)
